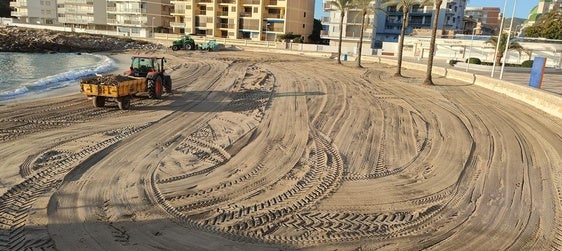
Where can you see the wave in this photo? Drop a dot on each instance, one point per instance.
(105, 64)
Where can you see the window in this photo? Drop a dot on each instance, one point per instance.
(304, 14)
(304, 25)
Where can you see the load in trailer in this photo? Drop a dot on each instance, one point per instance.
(146, 74)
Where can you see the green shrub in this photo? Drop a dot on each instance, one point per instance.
(473, 61)
(453, 62)
(527, 63)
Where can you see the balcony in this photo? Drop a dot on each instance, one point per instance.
(225, 26)
(227, 1)
(273, 16)
(88, 2)
(325, 20)
(19, 13)
(177, 24)
(328, 7)
(249, 27)
(245, 14)
(253, 2)
(18, 4)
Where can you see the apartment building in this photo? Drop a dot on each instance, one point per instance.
(243, 19)
(130, 18)
(489, 16)
(388, 24)
(86, 14)
(35, 11)
(138, 18)
(543, 7)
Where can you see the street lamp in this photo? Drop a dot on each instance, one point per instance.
(499, 39)
(153, 26)
(470, 50)
(508, 37)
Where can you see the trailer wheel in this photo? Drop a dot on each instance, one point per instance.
(99, 101)
(124, 103)
(167, 84)
(175, 47)
(155, 87)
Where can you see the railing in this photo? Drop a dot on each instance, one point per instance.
(249, 27)
(245, 14)
(251, 1)
(325, 20)
(177, 24)
(227, 1)
(276, 16)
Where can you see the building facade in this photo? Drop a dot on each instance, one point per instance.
(86, 14)
(243, 19)
(35, 11)
(138, 18)
(386, 26)
(543, 7)
(487, 15)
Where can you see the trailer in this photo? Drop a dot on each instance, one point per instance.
(146, 74)
(112, 87)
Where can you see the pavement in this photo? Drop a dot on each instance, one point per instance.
(552, 82)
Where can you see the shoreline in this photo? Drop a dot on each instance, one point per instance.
(120, 63)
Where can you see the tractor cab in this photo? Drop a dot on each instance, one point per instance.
(142, 66)
(151, 68)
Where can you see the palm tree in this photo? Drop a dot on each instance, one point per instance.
(437, 7)
(342, 6)
(503, 41)
(405, 6)
(366, 7)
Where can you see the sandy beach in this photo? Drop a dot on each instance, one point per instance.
(262, 151)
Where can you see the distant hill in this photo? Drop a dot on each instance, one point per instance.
(516, 22)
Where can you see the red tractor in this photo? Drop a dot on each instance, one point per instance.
(151, 68)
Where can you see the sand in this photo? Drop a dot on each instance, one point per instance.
(258, 151)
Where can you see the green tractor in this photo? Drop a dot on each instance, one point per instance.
(185, 43)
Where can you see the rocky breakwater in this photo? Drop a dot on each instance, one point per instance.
(18, 39)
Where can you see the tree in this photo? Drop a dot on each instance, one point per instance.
(365, 7)
(437, 6)
(405, 6)
(548, 26)
(503, 41)
(342, 6)
(316, 30)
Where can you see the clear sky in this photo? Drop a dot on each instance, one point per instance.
(522, 11)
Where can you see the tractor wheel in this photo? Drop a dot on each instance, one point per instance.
(175, 47)
(167, 84)
(124, 103)
(188, 46)
(99, 101)
(155, 87)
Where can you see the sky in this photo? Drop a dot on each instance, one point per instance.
(522, 9)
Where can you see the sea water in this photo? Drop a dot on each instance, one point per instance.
(24, 74)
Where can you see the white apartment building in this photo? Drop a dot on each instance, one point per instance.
(35, 11)
(250, 19)
(388, 23)
(86, 14)
(138, 18)
(130, 18)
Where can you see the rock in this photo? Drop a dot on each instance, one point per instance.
(17, 39)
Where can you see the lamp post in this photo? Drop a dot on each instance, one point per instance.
(153, 26)
(499, 40)
(508, 37)
(470, 50)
